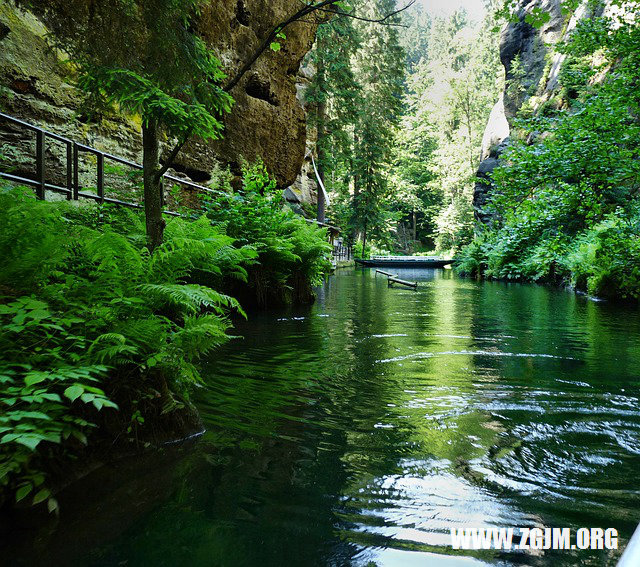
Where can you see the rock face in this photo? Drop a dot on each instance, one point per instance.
(533, 81)
(304, 191)
(268, 120)
(531, 46)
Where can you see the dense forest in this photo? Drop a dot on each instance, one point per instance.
(564, 206)
(107, 312)
(400, 114)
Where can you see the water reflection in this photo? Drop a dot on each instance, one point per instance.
(359, 431)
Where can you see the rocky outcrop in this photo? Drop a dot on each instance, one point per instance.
(531, 72)
(302, 195)
(531, 48)
(267, 122)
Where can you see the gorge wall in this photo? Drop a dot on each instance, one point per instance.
(532, 69)
(268, 120)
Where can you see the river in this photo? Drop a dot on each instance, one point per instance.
(360, 430)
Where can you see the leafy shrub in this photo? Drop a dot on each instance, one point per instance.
(293, 254)
(606, 259)
(473, 259)
(92, 321)
(567, 206)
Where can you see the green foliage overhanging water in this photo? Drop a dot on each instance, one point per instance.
(101, 340)
(566, 206)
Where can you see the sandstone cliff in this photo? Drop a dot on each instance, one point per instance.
(532, 69)
(267, 121)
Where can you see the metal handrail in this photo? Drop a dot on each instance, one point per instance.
(341, 252)
(72, 189)
(407, 258)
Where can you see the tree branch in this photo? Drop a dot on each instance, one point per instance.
(172, 156)
(308, 9)
(297, 17)
(382, 20)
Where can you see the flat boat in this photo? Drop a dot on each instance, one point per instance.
(404, 262)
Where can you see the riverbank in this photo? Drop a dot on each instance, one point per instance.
(603, 262)
(101, 340)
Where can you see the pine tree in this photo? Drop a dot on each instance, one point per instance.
(333, 95)
(450, 94)
(380, 67)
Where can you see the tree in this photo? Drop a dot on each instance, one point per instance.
(450, 92)
(566, 204)
(333, 95)
(147, 58)
(381, 68)
(414, 195)
(159, 68)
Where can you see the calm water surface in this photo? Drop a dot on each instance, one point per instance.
(360, 430)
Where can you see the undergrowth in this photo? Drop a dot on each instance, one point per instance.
(93, 325)
(293, 254)
(565, 202)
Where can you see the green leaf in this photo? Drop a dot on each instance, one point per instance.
(74, 392)
(35, 378)
(29, 441)
(80, 436)
(23, 492)
(41, 496)
(52, 505)
(87, 398)
(275, 46)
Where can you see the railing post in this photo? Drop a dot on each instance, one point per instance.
(76, 174)
(101, 177)
(40, 169)
(69, 171)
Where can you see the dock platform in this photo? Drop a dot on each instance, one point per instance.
(404, 262)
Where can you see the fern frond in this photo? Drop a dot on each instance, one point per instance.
(190, 298)
(200, 335)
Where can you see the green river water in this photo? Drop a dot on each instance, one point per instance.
(360, 430)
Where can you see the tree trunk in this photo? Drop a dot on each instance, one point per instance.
(356, 191)
(153, 194)
(322, 112)
(414, 228)
(364, 240)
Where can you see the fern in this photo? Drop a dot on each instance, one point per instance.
(79, 283)
(189, 299)
(200, 335)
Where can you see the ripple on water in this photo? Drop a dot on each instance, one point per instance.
(423, 355)
(367, 426)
